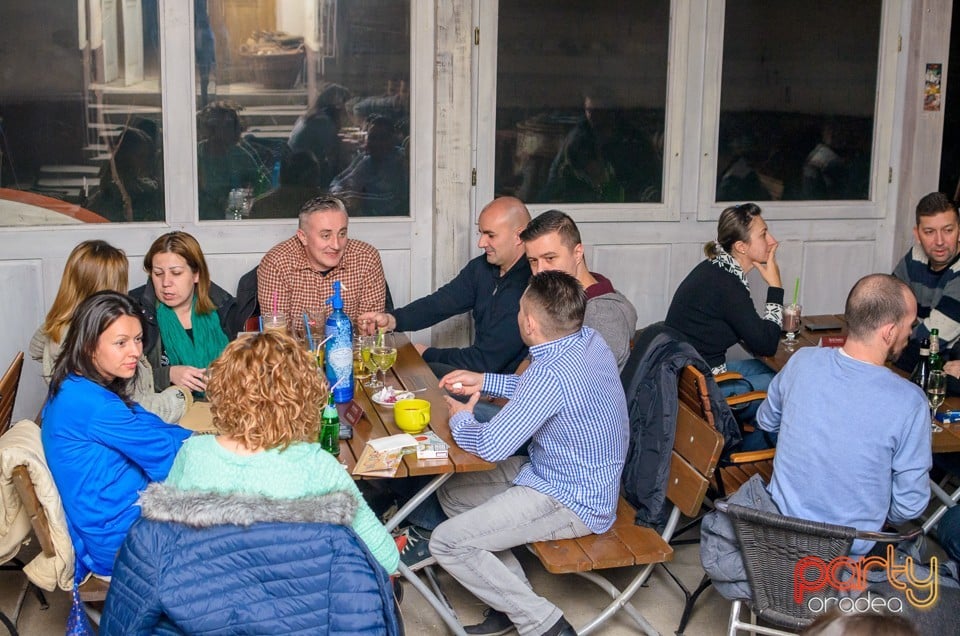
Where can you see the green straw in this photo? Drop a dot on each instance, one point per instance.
(796, 291)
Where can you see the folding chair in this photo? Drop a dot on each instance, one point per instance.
(732, 472)
(771, 545)
(8, 391)
(694, 457)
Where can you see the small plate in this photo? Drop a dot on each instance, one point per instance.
(396, 397)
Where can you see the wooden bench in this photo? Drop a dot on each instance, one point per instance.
(694, 457)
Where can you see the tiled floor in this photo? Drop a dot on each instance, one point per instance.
(661, 602)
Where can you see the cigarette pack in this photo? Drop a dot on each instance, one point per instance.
(429, 446)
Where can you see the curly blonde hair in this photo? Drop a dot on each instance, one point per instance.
(265, 392)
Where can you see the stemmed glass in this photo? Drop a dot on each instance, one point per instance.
(366, 344)
(936, 392)
(384, 353)
(791, 325)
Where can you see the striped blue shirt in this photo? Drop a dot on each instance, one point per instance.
(570, 404)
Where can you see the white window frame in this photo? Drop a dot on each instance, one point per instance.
(485, 80)
(881, 167)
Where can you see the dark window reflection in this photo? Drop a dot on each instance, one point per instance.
(80, 113)
(316, 113)
(581, 100)
(797, 100)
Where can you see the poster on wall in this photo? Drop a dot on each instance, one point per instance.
(931, 91)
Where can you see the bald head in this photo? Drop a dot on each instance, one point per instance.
(877, 300)
(500, 224)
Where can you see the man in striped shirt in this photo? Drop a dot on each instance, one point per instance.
(570, 404)
(932, 271)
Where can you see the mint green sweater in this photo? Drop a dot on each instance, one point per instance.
(299, 471)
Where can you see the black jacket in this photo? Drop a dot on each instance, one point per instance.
(650, 380)
(227, 311)
(494, 301)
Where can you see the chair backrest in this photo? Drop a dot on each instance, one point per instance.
(8, 391)
(772, 545)
(694, 393)
(38, 518)
(696, 450)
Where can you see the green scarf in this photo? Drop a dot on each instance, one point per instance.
(208, 338)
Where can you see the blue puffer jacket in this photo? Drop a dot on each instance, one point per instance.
(246, 565)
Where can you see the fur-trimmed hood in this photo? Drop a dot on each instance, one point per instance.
(201, 509)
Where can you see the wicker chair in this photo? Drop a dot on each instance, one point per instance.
(771, 545)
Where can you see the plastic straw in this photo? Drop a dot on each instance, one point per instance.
(796, 291)
(274, 302)
(306, 325)
(261, 323)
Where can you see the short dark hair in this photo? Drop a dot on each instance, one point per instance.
(935, 203)
(733, 226)
(549, 222)
(320, 204)
(559, 300)
(94, 316)
(874, 301)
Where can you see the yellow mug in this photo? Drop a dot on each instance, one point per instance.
(411, 416)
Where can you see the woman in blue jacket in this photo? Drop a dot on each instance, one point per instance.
(102, 448)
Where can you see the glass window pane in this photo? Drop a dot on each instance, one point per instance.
(581, 99)
(80, 138)
(301, 99)
(797, 100)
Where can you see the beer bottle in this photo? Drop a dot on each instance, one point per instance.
(330, 428)
(922, 371)
(936, 361)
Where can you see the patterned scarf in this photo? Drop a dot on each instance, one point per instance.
(772, 311)
(208, 338)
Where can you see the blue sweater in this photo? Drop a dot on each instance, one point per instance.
(494, 301)
(102, 453)
(854, 445)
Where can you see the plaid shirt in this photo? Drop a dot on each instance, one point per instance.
(286, 274)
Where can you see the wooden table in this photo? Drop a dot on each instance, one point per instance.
(410, 372)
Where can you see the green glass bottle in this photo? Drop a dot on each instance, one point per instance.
(330, 428)
(936, 360)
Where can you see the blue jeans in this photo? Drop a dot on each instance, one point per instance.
(948, 533)
(753, 371)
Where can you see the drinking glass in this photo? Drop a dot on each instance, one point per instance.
(366, 344)
(360, 370)
(791, 324)
(936, 392)
(384, 353)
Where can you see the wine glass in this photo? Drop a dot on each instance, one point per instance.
(384, 353)
(791, 324)
(366, 343)
(936, 391)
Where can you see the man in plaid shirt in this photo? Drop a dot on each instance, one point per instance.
(298, 274)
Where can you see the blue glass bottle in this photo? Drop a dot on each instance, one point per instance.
(339, 349)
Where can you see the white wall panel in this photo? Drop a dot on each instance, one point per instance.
(637, 271)
(21, 311)
(396, 267)
(829, 271)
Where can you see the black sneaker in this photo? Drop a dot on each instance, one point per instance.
(494, 624)
(561, 628)
(414, 548)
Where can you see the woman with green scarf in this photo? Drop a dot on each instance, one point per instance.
(189, 319)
